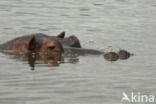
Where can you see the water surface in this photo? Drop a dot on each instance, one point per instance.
(125, 24)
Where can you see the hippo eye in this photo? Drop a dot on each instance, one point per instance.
(51, 47)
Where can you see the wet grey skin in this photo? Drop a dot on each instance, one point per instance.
(41, 38)
(69, 44)
(81, 51)
(71, 41)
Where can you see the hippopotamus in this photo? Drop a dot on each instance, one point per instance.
(52, 47)
(45, 45)
(71, 41)
(39, 39)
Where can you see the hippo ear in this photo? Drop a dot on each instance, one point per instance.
(32, 44)
(61, 35)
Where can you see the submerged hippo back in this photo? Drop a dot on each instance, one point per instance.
(71, 41)
(40, 39)
(22, 43)
(81, 51)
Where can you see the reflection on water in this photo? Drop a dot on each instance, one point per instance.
(31, 58)
(55, 60)
(126, 24)
(51, 61)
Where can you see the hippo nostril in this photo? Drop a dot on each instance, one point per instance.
(51, 47)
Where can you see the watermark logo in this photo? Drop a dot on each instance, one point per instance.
(137, 98)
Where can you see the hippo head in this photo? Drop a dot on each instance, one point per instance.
(50, 51)
(51, 48)
(71, 41)
(74, 41)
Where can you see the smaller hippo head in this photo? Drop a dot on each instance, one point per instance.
(72, 41)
